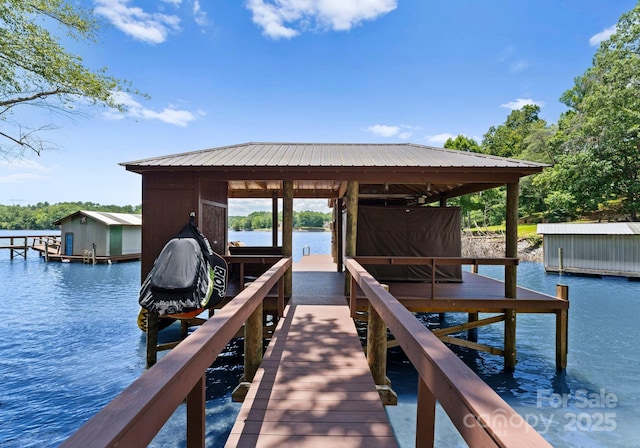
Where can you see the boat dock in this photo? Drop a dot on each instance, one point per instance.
(314, 386)
(19, 245)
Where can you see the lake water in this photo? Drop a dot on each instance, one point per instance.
(69, 343)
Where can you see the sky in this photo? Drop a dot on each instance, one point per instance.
(224, 72)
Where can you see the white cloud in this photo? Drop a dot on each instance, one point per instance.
(29, 171)
(382, 130)
(439, 139)
(286, 18)
(603, 35)
(520, 103)
(169, 115)
(175, 3)
(199, 15)
(152, 28)
(22, 178)
(403, 132)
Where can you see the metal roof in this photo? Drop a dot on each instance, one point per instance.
(109, 219)
(280, 155)
(616, 228)
(384, 171)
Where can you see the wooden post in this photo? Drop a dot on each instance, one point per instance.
(511, 275)
(511, 243)
(377, 346)
(352, 227)
(253, 344)
(510, 339)
(377, 356)
(196, 401)
(426, 416)
(152, 338)
(274, 219)
(472, 333)
(338, 234)
(562, 329)
(287, 231)
(46, 251)
(11, 250)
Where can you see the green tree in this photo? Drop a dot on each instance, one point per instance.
(462, 143)
(605, 118)
(507, 140)
(36, 70)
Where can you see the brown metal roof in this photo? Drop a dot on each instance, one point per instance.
(324, 155)
(320, 170)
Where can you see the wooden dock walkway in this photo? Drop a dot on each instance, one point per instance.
(314, 386)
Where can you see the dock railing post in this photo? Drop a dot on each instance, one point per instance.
(426, 416)
(562, 328)
(377, 355)
(196, 403)
(253, 333)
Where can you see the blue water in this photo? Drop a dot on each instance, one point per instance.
(69, 343)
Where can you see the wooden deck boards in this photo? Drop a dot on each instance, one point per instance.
(314, 387)
(476, 293)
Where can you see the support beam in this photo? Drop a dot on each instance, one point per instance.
(274, 219)
(562, 329)
(338, 235)
(511, 243)
(352, 227)
(510, 339)
(287, 231)
(152, 338)
(511, 274)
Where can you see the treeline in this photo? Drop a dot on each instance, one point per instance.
(593, 150)
(263, 220)
(42, 215)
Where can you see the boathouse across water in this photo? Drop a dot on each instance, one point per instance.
(592, 248)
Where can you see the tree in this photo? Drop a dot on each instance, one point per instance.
(463, 143)
(507, 140)
(36, 70)
(605, 119)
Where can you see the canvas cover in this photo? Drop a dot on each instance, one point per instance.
(413, 232)
(186, 277)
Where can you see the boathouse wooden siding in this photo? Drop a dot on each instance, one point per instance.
(592, 248)
(109, 234)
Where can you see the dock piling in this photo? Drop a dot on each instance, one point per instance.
(562, 328)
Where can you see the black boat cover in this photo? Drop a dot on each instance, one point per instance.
(187, 276)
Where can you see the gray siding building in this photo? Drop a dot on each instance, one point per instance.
(592, 249)
(109, 234)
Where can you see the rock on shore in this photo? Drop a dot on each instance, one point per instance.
(493, 246)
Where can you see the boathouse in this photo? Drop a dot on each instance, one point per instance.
(592, 248)
(314, 386)
(101, 234)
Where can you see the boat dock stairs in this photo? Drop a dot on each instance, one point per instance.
(315, 386)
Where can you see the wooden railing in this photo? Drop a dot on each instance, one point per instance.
(438, 261)
(135, 416)
(19, 244)
(482, 418)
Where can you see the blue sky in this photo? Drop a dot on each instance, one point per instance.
(233, 71)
